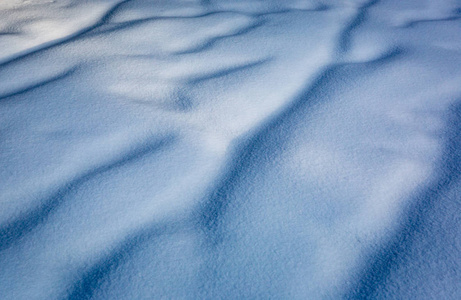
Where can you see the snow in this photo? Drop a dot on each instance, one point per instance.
(223, 149)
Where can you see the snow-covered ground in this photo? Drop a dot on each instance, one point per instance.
(230, 149)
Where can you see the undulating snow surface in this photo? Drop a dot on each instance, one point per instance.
(230, 149)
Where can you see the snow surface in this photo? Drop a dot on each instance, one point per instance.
(230, 149)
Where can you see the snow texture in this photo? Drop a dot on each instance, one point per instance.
(230, 149)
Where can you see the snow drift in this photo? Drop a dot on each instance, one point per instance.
(230, 149)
